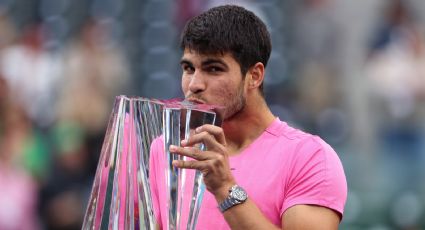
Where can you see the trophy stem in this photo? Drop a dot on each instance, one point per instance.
(172, 137)
(195, 204)
(198, 183)
(147, 126)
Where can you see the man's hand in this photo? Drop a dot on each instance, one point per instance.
(213, 163)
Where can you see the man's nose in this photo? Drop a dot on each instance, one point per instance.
(197, 83)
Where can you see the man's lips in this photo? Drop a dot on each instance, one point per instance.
(201, 104)
(195, 101)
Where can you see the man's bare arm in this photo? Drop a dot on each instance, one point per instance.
(311, 217)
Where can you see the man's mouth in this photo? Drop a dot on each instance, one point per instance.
(195, 101)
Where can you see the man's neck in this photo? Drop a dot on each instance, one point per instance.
(246, 126)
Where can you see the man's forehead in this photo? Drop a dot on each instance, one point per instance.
(193, 55)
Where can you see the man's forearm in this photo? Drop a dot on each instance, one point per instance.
(247, 216)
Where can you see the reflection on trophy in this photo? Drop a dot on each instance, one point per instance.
(121, 196)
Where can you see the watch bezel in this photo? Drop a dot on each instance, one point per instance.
(238, 193)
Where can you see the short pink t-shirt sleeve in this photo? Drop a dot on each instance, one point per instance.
(317, 177)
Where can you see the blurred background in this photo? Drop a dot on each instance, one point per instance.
(352, 72)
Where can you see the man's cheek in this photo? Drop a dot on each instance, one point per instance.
(184, 87)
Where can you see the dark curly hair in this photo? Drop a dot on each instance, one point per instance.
(229, 28)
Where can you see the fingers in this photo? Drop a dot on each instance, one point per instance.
(195, 153)
(211, 136)
(208, 140)
(204, 161)
(216, 131)
(189, 164)
(191, 152)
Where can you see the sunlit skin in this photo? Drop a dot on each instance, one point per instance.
(217, 80)
(210, 79)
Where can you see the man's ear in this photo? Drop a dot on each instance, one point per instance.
(256, 75)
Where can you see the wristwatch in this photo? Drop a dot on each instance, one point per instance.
(237, 195)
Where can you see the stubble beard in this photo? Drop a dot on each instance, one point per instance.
(236, 105)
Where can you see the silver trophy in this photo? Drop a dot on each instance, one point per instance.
(121, 197)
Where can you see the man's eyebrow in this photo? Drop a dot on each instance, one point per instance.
(185, 61)
(210, 61)
(205, 62)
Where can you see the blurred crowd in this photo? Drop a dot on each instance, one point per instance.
(54, 106)
(359, 84)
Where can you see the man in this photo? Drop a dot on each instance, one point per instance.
(259, 172)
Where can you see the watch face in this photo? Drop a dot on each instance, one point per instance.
(239, 194)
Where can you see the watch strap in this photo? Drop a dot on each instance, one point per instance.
(228, 203)
(233, 198)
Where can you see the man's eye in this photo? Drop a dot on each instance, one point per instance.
(214, 69)
(189, 69)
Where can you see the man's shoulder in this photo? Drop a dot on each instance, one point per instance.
(298, 139)
(282, 129)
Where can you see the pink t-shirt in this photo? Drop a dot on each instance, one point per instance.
(281, 168)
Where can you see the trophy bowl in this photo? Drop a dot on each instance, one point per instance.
(121, 194)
